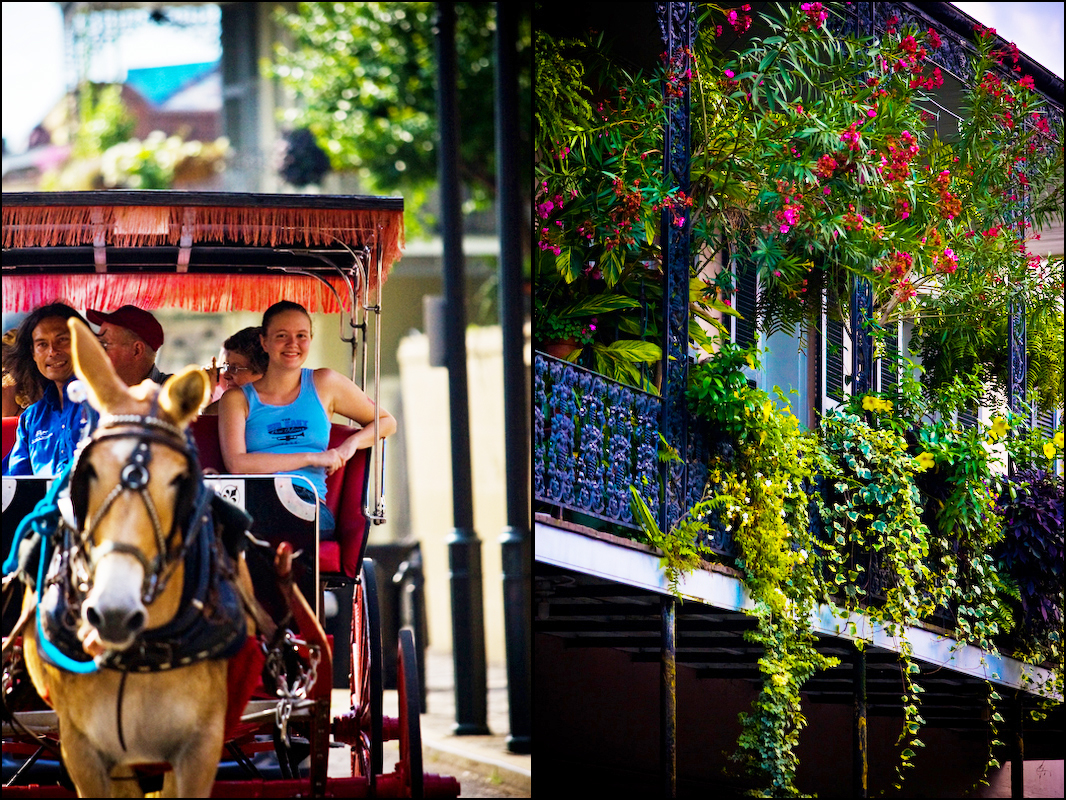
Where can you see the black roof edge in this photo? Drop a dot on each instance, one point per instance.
(166, 197)
(962, 24)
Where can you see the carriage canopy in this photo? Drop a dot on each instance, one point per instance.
(200, 251)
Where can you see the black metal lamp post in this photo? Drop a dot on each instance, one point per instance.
(514, 541)
(464, 547)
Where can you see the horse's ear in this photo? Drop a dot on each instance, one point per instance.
(184, 394)
(91, 364)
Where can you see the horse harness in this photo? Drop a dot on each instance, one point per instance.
(210, 622)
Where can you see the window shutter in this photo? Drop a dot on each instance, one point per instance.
(1045, 423)
(889, 364)
(834, 360)
(744, 329)
(967, 417)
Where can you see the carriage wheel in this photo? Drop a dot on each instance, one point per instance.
(364, 676)
(410, 729)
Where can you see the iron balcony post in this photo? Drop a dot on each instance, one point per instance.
(862, 348)
(668, 698)
(677, 23)
(859, 750)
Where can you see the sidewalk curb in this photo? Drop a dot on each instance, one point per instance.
(511, 775)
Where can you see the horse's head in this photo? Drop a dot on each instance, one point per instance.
(128, 488)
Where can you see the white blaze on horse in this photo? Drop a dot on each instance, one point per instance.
(128, 571)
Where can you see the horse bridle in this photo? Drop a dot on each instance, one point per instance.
(135, 477)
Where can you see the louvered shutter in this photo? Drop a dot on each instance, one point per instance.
(834, 360)
(745, 302)
(967, 417)
(888, 366)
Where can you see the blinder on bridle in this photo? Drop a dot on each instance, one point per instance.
(135, 476)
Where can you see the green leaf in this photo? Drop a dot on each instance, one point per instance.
(718, 305)
(611, 266)
(598, 304)
(643, 514)
(563, 264)
(632, 350)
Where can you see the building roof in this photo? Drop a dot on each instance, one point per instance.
(159, 84)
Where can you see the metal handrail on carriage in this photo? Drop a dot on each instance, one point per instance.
(105, 249)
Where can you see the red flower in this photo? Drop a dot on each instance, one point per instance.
(827, 165)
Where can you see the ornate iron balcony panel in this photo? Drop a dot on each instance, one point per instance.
(593, 438)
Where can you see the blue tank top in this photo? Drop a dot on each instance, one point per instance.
(300, 427)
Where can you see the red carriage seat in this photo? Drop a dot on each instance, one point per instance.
(345, 493)
(10, 424)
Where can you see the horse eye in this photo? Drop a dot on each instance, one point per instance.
(177, 480)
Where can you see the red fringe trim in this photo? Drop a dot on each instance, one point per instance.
(134, 226)
(190, 292)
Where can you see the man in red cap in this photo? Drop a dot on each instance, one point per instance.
(131, 336)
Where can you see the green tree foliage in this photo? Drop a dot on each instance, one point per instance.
(103, 120)
(365, 77)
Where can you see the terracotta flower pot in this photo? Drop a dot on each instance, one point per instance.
(560, 349)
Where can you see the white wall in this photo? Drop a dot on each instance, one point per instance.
(424, 391)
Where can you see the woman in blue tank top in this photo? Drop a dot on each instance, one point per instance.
(281, 423)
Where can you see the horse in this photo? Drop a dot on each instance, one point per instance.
(143, 704)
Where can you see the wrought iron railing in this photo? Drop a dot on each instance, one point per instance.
(592, 439)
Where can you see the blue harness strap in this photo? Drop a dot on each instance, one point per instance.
(49, 650)
(43, 521)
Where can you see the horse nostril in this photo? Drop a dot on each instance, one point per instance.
(116, 624)
(135, 622)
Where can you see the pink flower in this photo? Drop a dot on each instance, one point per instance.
(729, 73)
(851, 137)
(815, 13)
(871, 113)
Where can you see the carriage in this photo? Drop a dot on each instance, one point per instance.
(228, 252)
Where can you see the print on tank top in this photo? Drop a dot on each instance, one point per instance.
(288, 430)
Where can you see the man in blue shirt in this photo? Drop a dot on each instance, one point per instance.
(49, 430)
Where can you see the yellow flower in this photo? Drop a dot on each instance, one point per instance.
(767, 407)
(750, 360)
(1058, 440)
(999, 428)
(1049, 449)
(923, 461)
(871, 403)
